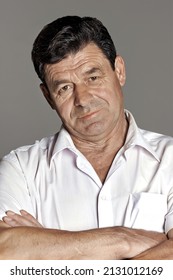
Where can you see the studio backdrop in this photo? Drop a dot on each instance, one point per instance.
(143, 34)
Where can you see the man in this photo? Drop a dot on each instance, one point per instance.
(101, 188)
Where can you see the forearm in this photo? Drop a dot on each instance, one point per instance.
(39, 243)
(105, 243)
(163, 251)
(30, 243)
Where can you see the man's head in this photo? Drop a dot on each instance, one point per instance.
(81, 76)
(68, 35)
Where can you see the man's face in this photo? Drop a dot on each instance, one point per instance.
(86, 92)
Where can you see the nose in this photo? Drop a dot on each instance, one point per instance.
(82, 95)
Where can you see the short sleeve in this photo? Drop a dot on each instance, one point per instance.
(14, 192)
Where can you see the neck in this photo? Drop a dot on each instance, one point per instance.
(112, 141)
(101, 152)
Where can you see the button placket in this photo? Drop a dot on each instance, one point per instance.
(105, 215)
(88, 170)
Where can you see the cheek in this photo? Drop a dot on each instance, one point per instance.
(106, 94)
(64, 110)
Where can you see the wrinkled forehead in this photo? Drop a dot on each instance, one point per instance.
(84, 61)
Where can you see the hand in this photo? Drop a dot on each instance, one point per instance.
(25, 219)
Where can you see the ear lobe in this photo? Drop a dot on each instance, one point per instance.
(120, 70)
(46, 94)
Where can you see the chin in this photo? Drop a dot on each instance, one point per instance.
(94, 129)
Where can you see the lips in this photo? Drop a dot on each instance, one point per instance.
(89, 115)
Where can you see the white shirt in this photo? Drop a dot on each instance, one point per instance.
(54, 182)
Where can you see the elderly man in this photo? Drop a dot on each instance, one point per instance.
(101, 188)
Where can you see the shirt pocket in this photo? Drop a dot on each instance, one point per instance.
(146, 211)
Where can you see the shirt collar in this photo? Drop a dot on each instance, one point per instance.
(134, 137)
(63, 141)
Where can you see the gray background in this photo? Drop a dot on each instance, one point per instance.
(142, 32)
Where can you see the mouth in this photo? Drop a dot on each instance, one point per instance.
(89, 115)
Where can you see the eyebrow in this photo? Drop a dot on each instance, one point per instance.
(92, 70)
(56, 83)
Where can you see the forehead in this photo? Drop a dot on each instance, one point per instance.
(89, 57)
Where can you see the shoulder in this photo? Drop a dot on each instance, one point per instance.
(153, 137)
(160, 143)
(31, 154)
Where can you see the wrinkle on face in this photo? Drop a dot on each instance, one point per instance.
(75, 67)
(91, 109)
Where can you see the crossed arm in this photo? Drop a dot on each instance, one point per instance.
(22, 237)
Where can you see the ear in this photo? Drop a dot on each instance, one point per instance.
(120, 70)
(47, 95)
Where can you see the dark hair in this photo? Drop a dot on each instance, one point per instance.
(68, 35)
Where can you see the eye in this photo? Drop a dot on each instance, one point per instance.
(66, 89)
(94, 78)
